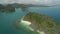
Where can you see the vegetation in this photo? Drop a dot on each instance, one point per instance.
(11, 7)
(43, 23)
(8, 8)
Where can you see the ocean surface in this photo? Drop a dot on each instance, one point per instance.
(7, 20)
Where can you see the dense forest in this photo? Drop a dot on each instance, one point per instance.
(11, 7)
(43, 23)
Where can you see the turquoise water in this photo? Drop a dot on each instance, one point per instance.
(7, 20)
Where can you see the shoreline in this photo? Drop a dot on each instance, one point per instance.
(29, 23)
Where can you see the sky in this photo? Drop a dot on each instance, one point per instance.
(48, 2)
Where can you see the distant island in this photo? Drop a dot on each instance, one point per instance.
(40, 23)
(11, 7)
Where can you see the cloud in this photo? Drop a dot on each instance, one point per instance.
(49, 2)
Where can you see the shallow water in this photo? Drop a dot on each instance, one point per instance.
(7, 20)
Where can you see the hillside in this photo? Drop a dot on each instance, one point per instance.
(43, 23)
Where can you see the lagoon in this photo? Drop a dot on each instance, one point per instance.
(7, 20)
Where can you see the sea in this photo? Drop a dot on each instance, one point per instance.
(8, 19)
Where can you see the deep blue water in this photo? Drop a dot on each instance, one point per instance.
(7, 20)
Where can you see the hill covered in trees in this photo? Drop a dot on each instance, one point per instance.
(43, 23)
(11, 7)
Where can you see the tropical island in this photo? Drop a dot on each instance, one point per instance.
(40, 23)
(12, 7)
(33, 21)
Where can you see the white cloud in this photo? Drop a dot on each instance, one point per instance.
(7, 1)
(51, 2)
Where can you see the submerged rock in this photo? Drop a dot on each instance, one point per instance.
(41, 23)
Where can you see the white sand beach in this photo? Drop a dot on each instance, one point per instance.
(26, 22)
(29, 23)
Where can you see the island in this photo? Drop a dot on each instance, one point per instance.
(40, 23)
(13, 6)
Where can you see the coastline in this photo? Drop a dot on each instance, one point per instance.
(29, 23)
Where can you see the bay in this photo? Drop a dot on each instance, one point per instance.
(7, 20)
